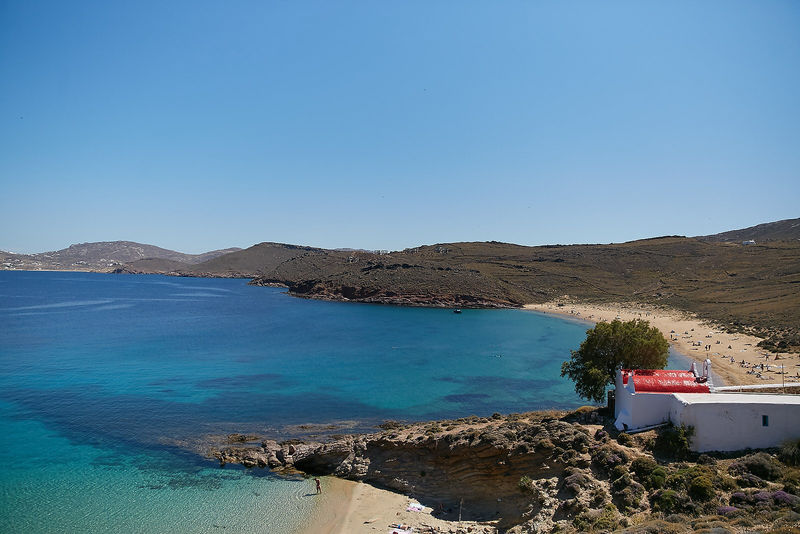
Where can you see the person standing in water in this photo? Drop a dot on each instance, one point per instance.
(319, 486)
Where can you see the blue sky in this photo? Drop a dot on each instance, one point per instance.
(202, 125)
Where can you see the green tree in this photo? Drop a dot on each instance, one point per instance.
(612, 346)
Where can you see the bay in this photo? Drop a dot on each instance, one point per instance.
(111, 384)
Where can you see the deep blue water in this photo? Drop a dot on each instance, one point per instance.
(104, 377)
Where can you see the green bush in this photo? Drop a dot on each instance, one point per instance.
(760, 464)
(790, 452)
(625, 439)
(656, 479)
(643, 466)
(665, 501)
(618, 471)
(701, 489)
(649, 472)
(597, 520)
(674, 442)
(629, 497)
(681, 478)
(608, 456)
(597, 498)
(791, 482)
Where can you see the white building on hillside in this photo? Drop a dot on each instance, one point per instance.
(721, 421)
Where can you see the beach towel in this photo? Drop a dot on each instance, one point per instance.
(414, 507)
(401, 531)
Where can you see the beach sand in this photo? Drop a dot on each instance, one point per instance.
(348, 507)
(685, 332)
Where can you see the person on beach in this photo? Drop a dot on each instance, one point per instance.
(319, 486)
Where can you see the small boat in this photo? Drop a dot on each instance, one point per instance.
(456, 311)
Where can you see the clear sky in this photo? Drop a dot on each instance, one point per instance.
(389, 124)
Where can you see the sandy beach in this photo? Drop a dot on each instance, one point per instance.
(735, 358)
(349, 507)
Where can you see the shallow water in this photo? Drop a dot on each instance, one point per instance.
(108, 381)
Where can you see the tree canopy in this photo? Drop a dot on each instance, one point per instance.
(612, 346)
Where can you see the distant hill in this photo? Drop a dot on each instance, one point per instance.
(151, 265)
(786, 230)
(248, 263)
(102, 256)
(258, 259)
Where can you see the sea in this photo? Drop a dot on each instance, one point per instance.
(114, 387)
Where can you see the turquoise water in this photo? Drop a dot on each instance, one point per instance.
(105, 379)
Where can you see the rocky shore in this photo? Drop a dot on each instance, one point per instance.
(316, 289)
(547, 472)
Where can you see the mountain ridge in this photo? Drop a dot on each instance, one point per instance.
(101, 256)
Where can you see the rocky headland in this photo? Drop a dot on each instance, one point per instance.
(552, 472)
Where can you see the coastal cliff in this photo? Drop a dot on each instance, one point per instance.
(541, 472)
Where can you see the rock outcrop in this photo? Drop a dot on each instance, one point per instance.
(476, 465)
(546, 472)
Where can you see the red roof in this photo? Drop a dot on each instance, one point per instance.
(663, 381)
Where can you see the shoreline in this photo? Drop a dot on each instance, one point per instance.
(351, 507)
(691, 337)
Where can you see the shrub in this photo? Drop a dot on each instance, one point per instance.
(760, 464)
(682, 477)
(665, 501)
(570, 507)
(649, 472)
(643, 466)
(739, 497)
(782, 498)
(597, 498)
(433, 428)
(761, 497)
(576, 482)
(705, 459)
(674, 442)
(625, 439)
(750, 481)
(701, 489)
(725, 483)
(629, 496)
(726, 510)
(607, 457)
(791, 482)
(526, 485)
(657, 478)
(594, 520)
(618, 471)
(790, 452)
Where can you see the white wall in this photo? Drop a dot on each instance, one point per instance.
(728, 426)
(638, 410)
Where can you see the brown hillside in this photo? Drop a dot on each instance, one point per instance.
(756, 285)
(786, 230)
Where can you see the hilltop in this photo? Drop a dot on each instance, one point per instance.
(785, 230)
(103, 256)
